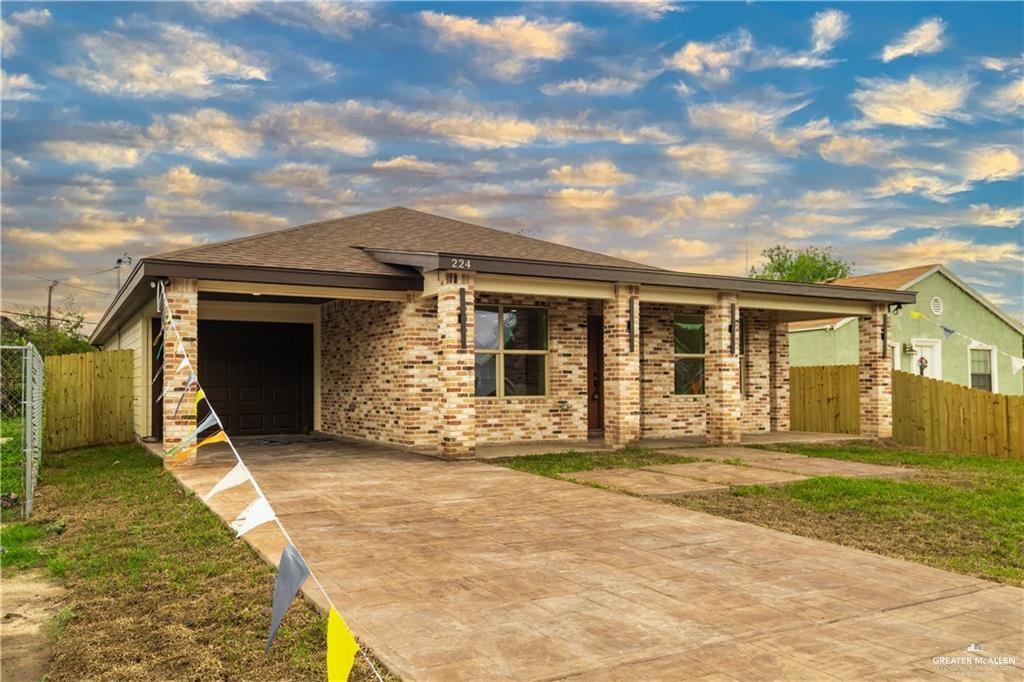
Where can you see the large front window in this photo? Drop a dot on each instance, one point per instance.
(689, 355)
(981, 368)
(511, 345)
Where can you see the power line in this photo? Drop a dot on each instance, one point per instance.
(58, 279)
(43, 317)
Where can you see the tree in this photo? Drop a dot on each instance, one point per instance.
(64, 336)
(810, 264)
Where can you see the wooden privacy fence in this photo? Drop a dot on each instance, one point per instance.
(939, 415)
(824, 399)
(88, 399)
(927, 413)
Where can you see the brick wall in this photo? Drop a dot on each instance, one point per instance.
(875, 376)
(455, 371)
(622, 367)
(663, 414)
(183, 308)
(756, 326)
(778, 360)
(562, 413)
(722, 370)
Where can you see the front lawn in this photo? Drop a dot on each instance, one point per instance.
(555, 463)
(158, 587)
(958, 512)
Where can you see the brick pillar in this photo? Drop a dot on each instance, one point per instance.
(455, 367)
(622, 367)
(875, 376)
(778, 363)
(722, 372)
(182, 304)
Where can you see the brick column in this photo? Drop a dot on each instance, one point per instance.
(182, 303)
(875, 376)
(778, 363)
(722, 372)
(622, 367)
(455, 366)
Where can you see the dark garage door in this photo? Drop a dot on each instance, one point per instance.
(258, 375)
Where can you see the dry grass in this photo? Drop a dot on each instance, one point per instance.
(158, 587)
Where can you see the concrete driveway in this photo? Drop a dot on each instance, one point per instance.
(468, 571)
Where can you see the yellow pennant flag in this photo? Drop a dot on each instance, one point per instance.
(917, 316)
(341, 648)
(219, 437)
(200, 395)
(179, 457)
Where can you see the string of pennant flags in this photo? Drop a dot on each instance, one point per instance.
(292, 569)
(1016, 363)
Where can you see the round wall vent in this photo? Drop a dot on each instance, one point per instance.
(936, 305)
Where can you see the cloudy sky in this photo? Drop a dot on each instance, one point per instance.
(687, 136)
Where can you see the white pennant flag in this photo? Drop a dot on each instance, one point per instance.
(183, 365)
(181, 349)
(1017, 363)
(256, 514)
(236, 476)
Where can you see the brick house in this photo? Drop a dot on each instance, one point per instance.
(412, 329)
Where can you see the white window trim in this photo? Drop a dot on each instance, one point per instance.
(937, 344)
(993, 355)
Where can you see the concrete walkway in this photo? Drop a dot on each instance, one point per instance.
(468, 571)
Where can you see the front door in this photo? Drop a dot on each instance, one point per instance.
(595, 372)
(930, 350)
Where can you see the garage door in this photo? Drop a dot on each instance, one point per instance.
(258, 375)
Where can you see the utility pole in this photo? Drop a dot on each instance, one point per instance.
(49, 304)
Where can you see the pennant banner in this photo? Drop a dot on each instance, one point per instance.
(191, 382)
(237, 476)
(176, 458)
(292, 571)
(256, 514)
(219, 437)
(1016, 363)
(182, 365)
(947, 331)
(200, 395)
(917, 316)
(341, 648)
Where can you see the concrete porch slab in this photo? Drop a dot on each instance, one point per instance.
(644, 482)
(727, 474)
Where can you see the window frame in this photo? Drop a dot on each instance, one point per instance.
(500, 352)
(992, 368)
(693, 356)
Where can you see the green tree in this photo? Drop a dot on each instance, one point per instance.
(810, 264)
(64, 336)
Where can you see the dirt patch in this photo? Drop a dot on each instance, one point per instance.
(30, 604)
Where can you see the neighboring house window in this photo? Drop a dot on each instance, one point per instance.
(981, 368)
(689, 355)
(511, 345)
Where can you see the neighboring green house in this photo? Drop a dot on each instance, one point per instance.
(975, 352)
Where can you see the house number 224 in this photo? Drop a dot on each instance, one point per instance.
(461, 264)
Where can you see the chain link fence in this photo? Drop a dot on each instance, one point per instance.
(21, 424)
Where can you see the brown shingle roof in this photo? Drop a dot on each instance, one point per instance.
(894, 279)
(334, 245)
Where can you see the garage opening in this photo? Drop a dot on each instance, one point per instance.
(259, 375)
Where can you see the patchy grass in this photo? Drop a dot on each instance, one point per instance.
(555, 463)
(158, 587)
(12, 474)
(959, 513)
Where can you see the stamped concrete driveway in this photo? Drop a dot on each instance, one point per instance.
(468, 571)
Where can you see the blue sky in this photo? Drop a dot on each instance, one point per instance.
(688, 136)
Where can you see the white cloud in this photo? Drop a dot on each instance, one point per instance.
(712, 206)
(691, 247)
(992, 164)
(649, 9)
(608, 85)
(102, 155)
(996, 216)
(181, 181)
(714, 60)
(929, 186)
(941, 249)
(585, 199)
(407, 162)
(747, 121)
(875, 232)
(857, 150)
(913, 103)
(592, 174)
(826, 200)
(206, 134)
(295, 176)
(18, 87)
(10, 28)
(172, 61)
(715, 160)
(253, 221)
(927, 37)
(827, 28)
(508, 46)
(316, 125)
(1009, 98)
(324, 16)
(32, 17)
(89, 233)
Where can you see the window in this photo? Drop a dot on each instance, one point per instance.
(511, 345)
(981, 368)
(689, 355)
